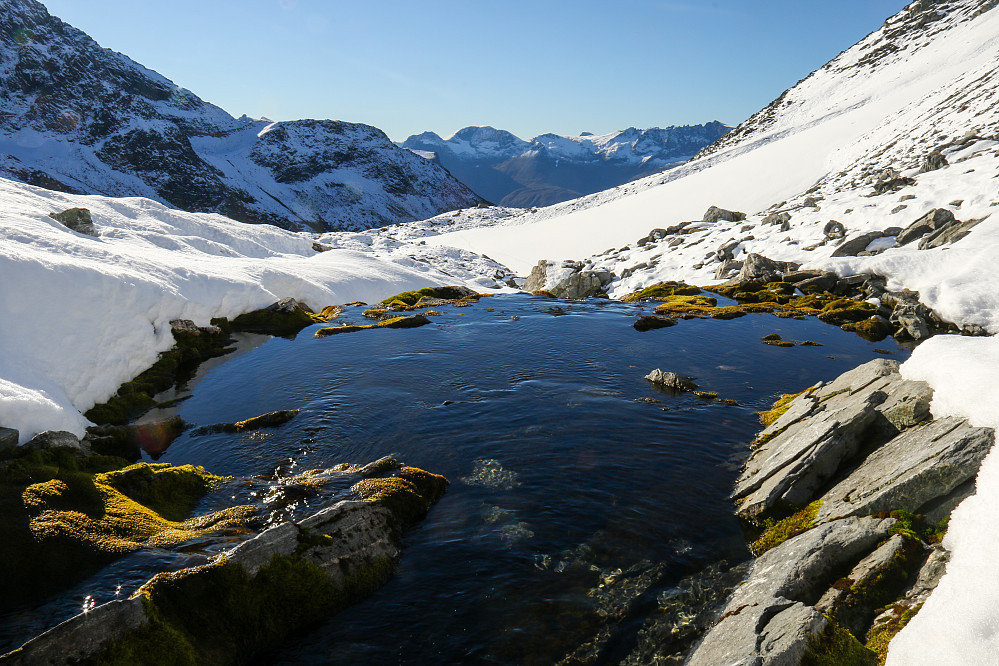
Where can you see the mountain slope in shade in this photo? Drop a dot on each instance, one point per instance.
(79, 118)
(552, 168)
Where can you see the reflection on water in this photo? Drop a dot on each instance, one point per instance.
(588, 515)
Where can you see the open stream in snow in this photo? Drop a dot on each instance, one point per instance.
(581, 499)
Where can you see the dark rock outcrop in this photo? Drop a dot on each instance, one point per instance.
(716, 214)
(77, 219)
(854, 246)
(933, 220)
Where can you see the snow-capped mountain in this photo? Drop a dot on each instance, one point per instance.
(551, 168)
(79, 118)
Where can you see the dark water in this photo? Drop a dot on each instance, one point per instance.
(577, 503)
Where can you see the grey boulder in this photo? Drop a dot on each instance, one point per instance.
(77, 219)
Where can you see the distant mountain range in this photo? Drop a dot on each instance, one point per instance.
(80, 118)
(549, 168)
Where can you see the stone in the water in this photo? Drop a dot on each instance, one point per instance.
(651, 322)
(268, 420)
(671, 380)
(77, 219)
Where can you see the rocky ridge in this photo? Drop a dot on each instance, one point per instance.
(79, 118)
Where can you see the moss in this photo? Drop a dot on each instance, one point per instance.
(155, 641)
(874, 329)
(846, 311)
(410, 298)
(171, 491)
(879, 636)
(275, 321)
(770, 416)
(543, 292)
(810, 343)
(662, 291)
(707, 395)
(835, 646)
(408, 494)
(412, 321)
(913, 525)
(777, 532)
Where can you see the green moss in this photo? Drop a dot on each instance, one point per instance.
(835, 646)
(879, 636)
(846, 311)
(913, 525)
(412, 321)
(408, 494)
(777, 532)
(768, 417)
(707, 395)
(410, 298)
(155, 642)
(543, 292)
(662, 291)
(267, 320)
(874, 329)
(171, 491)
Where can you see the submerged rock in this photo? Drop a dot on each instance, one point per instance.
(652, 322)
(268, 420)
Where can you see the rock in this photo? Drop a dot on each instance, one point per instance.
(757, 268)
(8, 439)
(769, 618)
(286, 315)
(582, 284)
(950, 232)
(538, 277)
(727, 269)
(268, 420)
(935, 219)
(671, 380)
(716, 214)
(921, 464)
(257, 552)
(81, 636)
(811, 202)
(893, 184)
(726, 251)
(55, 439)
(651, 322)
(834, 230)
(319, 247)
(912, 320)
(852, 247)
(933, 161)
(77, 219)
(908, 404)
(824, 280)
(777, 219)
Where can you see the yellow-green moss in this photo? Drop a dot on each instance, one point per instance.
(543, 292)
(770, 416)
(171, 491)
(707, 395)
(662, 291)
(879, 636)
(835, 646)
(412, 321)
(410, 298)
(408, 494)
(777, 532)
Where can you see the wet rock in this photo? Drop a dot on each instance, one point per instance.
(950, 232)
(55, 439)
(268, 420)
(857, 244)
(933, 220)
(716, 214)
(257, 552)
(82, 636)
(77, 219)
(833, 230)
(921, 464)
(8, 439)
(671, 380)
(769, 618)
(652, 322)
(933, 161)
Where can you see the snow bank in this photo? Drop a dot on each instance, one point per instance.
(81, 314)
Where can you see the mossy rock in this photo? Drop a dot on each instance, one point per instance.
(285, 316)
(835, 646)
(410, 298)
(874, 329)
(783, 403)
(846, 311)
(662, 291)
(408, 494)
(412, 321)
(777, 532)
(543, 292)
(173, 492)
(879, 636)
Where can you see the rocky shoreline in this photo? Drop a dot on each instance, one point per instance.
(866, 480)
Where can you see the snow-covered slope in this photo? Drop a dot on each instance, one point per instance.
(81, 314)
(78, 118)
(551, 168)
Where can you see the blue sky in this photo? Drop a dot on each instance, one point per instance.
(526, 66)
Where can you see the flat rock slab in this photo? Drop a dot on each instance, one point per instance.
(769, 618)
(920, 465)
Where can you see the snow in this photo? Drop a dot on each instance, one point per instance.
(81, 315)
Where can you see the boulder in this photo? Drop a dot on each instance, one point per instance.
(77, 219)
(811, 202)
(950, 232)
(931, 221)
(834, 230)
(824, 280)
(8, 438)
(912, 319)
(651, 322)
(55, 439)
(933, 161)
(716, 214)
(726, 250)
(777, 219)
(857, 244)
(268, 420)
(538, 277)
(918, 466)
(757, 268)
(582, 284)
(728, 268)
(286, 315)
(671, 380)
(893, 184)
(769, 618)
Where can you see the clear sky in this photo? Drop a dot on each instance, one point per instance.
(527, 66)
